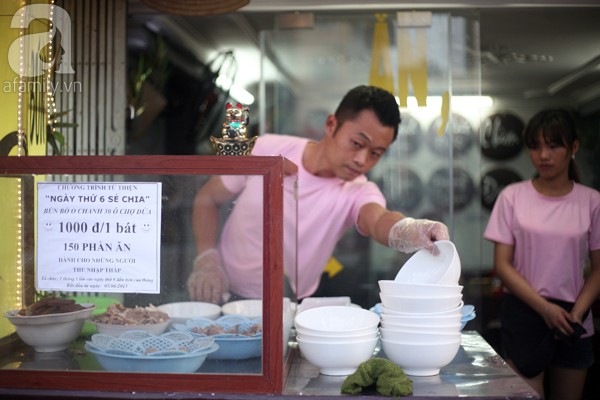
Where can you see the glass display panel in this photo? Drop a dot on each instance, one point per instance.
(97, 276)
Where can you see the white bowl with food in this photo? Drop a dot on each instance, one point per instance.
(424, 267)
(418, 289)
(337, 320)
(50, 332)
(420, 304)
(250, 308)
(182, 311)
(420, 359)
(118, 319)
(341, 358)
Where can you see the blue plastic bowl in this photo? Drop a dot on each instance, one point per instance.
(237, 348)
(231, 346)
(181, 363)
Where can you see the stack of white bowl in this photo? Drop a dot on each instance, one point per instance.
(337, 339)
(421, 311)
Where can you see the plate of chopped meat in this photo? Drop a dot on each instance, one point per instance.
(118, 319)
(238, 337)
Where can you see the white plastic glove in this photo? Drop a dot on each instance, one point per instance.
(208, 282)
(409, 235)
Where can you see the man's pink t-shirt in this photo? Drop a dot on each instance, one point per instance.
(552, 236)
(326, 209)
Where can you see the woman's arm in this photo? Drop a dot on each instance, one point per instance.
(555, 316)
(591, 289)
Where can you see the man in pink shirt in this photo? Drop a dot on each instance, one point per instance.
(333, 195)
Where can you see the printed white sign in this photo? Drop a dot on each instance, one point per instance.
(99, 237)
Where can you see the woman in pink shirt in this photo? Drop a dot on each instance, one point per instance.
(546, 230)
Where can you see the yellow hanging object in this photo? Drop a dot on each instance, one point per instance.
(333, 267)
(445, 112)
(412, 65)
(381, 73)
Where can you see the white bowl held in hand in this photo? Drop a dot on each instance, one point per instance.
(418, 289)
(335, 319)
(182, 311)
(420, 359)
(337, 358)
(424, 267)
(420, 304)
(50, 332)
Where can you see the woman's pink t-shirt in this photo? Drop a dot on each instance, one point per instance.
(552, 236)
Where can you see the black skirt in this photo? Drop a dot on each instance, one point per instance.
(526, 339)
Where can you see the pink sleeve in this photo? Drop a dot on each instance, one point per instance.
(499, 227)
(371, 194)
(595, 225)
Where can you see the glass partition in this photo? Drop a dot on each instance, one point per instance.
(104, 250)
(430, 60)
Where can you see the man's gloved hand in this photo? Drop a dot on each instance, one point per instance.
(409, 235)
(208, 282)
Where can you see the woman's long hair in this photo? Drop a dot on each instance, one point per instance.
(557, 126)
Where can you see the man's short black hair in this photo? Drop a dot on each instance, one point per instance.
(364, 97)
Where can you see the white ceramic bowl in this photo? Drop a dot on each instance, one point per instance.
(117, 330)
(312, 302)
(250, 308)
(182, 311)
(346, 320)
(420, 304)
(330, 338)
(420, 359)
(453, 311)
(337, 358)
(418, 289)
(424, 267)
(422, 328)
(422, 319)
(419, 337)
(51, 332)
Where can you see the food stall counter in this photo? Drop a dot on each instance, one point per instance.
(477, 372)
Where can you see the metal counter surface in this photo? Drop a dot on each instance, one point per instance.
(476, 372)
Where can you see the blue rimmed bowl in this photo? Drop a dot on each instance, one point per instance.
(141, 351)
(238, 337)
